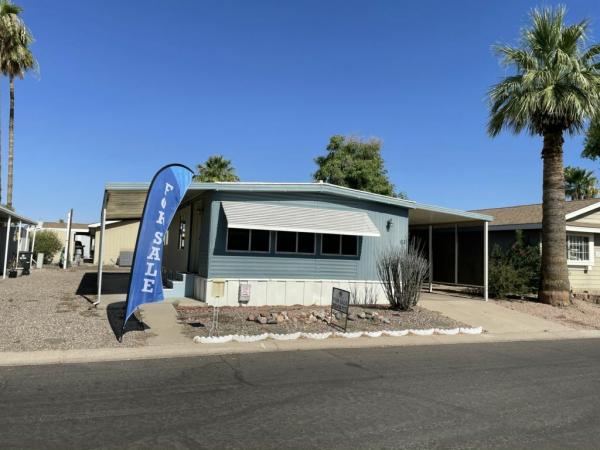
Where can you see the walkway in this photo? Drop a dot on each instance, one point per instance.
(493, 318)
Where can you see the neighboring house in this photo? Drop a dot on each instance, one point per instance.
(583, 236)
(291, 243)
(13, 225)
(79, 233)
(119, 236)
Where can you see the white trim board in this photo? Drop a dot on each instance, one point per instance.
(582, 211)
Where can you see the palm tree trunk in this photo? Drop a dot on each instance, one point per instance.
(11, 145)
(0, 161)
(554, 286)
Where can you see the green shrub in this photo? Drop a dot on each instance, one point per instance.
(515, 271)
(48, 243)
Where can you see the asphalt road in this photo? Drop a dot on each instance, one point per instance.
(516, 395)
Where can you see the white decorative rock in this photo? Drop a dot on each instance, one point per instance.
(355, 334)
(395, 333)
(477, 330)
(316, 335)
(285, 337)
(447, 331)
(373, 334)
(428, 332)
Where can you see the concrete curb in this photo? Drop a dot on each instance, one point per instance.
(191, 349)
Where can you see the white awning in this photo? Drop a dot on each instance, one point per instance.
(261, 216)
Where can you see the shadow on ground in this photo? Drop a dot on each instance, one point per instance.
(115, 313)
(112, 283)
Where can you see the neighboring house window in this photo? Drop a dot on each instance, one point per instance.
(181, 235)
(335, 244)
(292, 242)
(578, 248)
(243, 240)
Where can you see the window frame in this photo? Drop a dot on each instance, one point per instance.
(277, 252)
(340, 253)
(248, 250)
(590, 243)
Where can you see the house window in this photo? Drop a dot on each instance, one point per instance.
(292, 242)
(335, 244)
(578, 248)
(181, 244)
(243, 240)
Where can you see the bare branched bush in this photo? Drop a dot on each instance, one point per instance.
(367, 297)
(402, 272)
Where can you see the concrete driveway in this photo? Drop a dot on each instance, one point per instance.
(493, 318)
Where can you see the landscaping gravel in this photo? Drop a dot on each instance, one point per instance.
(581, 315)
(235, 320)
(48, 310)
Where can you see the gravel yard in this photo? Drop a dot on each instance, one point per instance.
(581, 315)
(235, 320)
(47, 310)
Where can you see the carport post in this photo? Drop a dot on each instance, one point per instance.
(18, 243)
(485, 261)
(100, 256)
(455, 253)
(27, 238)
(6, 247)
(32, 245)
(430, 258)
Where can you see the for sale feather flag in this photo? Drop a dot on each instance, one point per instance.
(164, 196)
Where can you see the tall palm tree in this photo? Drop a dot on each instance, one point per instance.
(15, 60)
(6, 10)
(554, 90)
(216, 168)
(580, 184)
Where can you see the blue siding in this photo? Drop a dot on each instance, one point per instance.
(223, 264)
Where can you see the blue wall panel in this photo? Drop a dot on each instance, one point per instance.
(223, 264)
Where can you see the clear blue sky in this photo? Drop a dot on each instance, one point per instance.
(128, 86)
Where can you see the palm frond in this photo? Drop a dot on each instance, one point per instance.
(556, 80)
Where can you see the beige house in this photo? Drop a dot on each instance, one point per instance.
(583, 236)
(119, 236)
(79, 232)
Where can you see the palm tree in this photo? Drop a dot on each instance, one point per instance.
(15, 60)
(216, 168)
(554, 90)
(580, 184)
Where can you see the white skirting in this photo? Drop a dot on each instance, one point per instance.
(285, 291)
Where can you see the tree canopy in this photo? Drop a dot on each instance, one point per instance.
(591, 145)
(216, 168)
(48, 243)
(355, 163)
(580, 184)
(556, 83)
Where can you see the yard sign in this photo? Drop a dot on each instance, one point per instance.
(164, 196)
(340, 302)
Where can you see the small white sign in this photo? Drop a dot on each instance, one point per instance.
(244, 293)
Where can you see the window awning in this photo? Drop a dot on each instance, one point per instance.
(262, 216)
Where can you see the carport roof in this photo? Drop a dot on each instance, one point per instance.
(5, 213)
(126, 200)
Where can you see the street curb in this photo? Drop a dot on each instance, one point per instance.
(44, 357)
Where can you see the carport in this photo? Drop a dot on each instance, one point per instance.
(14, 236)
(455, 243)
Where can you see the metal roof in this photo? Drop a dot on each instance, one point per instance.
(126, 200)
(262, 216)
(5, 213)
